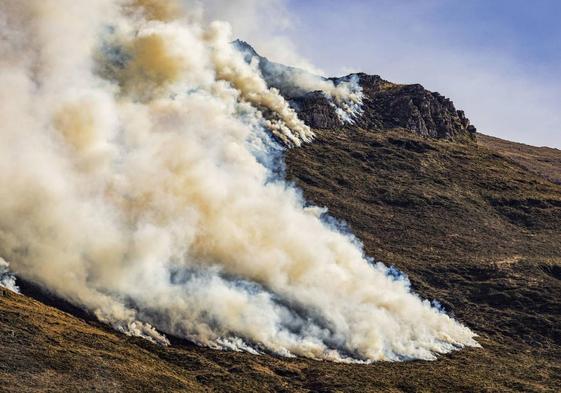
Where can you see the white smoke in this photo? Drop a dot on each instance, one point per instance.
(343, 94)
(266, 24)
(7, 279)
(134, 157)
(349, 104)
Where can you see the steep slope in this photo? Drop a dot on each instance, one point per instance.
(542, 160)
(385, 105)
(471, 228)
(44, 349)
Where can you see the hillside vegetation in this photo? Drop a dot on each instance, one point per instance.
(473, 227)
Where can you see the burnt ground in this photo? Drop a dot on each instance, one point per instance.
(474, 229)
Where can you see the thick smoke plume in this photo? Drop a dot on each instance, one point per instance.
(344, 94)
(138, 184)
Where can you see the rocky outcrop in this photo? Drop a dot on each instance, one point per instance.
(385, 106)
(411, 107)
(388, 105)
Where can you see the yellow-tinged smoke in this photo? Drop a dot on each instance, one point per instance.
(151, 69)
(231, 67)
(136, 160)
(161, 10)
(76, 124)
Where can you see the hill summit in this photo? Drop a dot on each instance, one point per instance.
(385, 105)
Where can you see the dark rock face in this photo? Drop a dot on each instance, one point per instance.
(389, 106)
(315, 110)
(411, 107)
(386, 105)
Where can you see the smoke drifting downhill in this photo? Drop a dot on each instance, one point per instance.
(344, 94)
(133, 145)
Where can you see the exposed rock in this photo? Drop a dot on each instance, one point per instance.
(386, 105)
(314, 109)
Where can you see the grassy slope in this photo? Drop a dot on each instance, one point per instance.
(479, 232)
(543, 160)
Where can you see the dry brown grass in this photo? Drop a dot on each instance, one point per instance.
(472, 229)
(545, 161)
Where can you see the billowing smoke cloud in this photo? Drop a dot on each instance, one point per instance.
(263, 23)
(344, 94)
(138, 184)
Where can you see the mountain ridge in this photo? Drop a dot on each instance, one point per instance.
(385, 106)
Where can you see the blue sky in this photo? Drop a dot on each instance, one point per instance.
(500, 60)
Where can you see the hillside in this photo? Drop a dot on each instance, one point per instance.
(182, 214)
(471, 228)
(542, 160)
